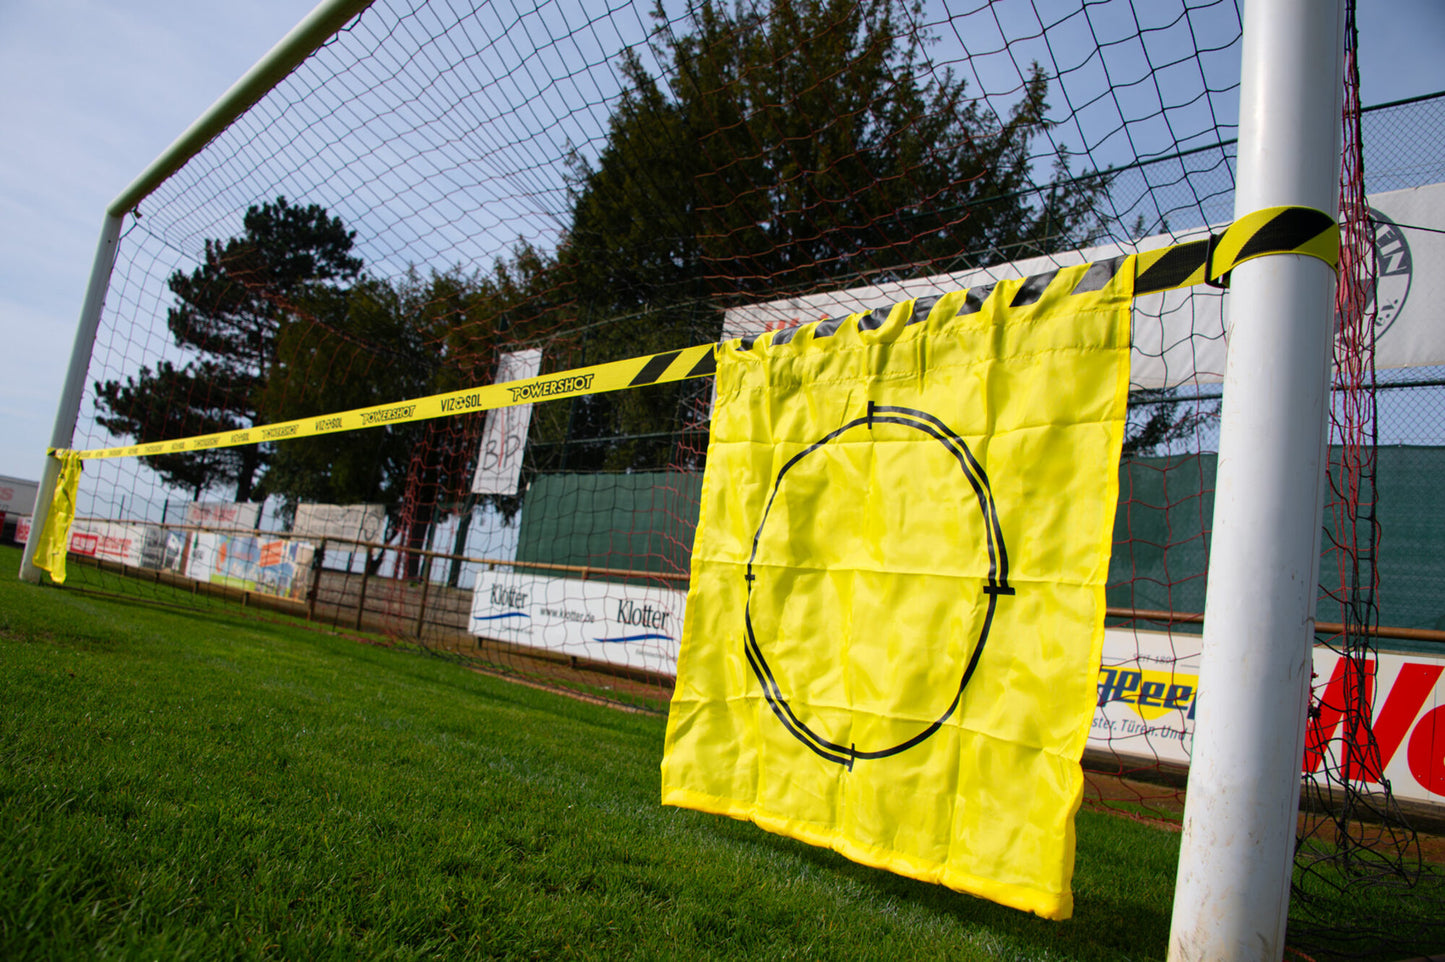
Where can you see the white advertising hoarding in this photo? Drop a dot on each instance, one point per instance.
(272, 566)
(17, 496)
(1179, 335)
(1148, 683)
(224, 514)
(499, 462)
(637, 626)
(113, 541)
(201, 560)
(355, 522)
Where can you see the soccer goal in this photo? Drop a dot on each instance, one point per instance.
(416, 332)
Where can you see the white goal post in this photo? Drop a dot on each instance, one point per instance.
(1232, 897)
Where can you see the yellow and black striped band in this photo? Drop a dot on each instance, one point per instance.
(1274, 230)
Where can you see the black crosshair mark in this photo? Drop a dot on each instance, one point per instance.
(997, 581)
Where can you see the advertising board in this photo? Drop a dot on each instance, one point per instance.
(224, 514)
(637, 626)
(1148, 686)
(1179, 334)
(350, 522)
(17, 496)
(264, 565)
(113, 541)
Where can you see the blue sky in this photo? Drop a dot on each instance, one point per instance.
(92, 92)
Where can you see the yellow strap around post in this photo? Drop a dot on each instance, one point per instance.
(1276, 230)
(1273, 230)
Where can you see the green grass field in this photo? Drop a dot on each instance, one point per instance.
(182, 785)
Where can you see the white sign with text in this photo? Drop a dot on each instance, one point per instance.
(637, 626)
(499, 462)
(347, 522)
(1148, 683)
(224, 515)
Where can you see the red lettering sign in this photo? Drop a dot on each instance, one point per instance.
(112, 547)
(1353, 682)
(1426, 753)
(272, 553)
(1407, 696)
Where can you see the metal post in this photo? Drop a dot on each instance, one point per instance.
(68, 410)
(1232, 897)
(361, 595)
(319, 25)
(421, 608)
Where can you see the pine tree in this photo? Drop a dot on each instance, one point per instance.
(785, 147)
(229, 312)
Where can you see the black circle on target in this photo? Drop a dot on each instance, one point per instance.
(997, 584)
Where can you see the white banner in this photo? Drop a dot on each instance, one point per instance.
(1148, 683)
(266, 565)
(499, 462)
(172, 551)
(224, 514)
(633, 625)
(1179, 335)
(17, 496)
(356, 522)
(201, 560)
(113, 541)
(1408, 323)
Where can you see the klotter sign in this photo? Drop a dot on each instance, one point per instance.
(638, 626)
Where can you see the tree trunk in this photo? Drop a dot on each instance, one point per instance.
(246, 476)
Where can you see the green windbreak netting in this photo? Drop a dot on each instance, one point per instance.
(1165, 507)
(642, 522)
(1411, 485)
(1160, 532)
(1161, 535)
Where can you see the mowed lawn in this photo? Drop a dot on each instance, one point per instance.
(182, 785)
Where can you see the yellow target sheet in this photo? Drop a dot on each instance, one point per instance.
(896, 610)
